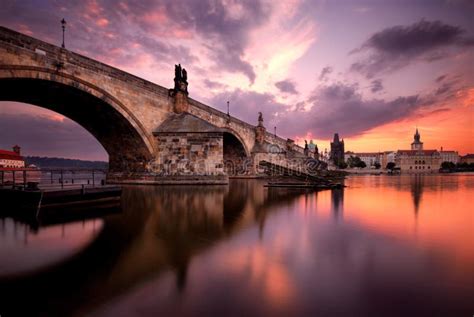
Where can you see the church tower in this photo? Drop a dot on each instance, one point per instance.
(417, 145)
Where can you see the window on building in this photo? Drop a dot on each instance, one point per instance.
(423, 162)
(429, 167)
(410, 167)
(416, 162)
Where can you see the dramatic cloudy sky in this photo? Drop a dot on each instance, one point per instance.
(370, 70)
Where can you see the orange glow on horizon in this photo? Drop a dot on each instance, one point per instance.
(451, 129)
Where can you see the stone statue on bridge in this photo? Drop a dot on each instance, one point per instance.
(185, 75)
(306, 149)
(260, 119)
(177, 72)
(180, 74)
(180, 79)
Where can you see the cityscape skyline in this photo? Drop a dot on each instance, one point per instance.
(373, 75)
(74, 133)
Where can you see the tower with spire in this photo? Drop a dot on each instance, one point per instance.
(417, 145)
(417, 159)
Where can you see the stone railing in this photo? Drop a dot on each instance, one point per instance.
(11, 39)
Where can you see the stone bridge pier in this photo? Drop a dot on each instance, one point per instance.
(153, 135)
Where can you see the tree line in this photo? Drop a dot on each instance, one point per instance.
(62, 163)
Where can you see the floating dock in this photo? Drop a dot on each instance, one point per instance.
(24, 204)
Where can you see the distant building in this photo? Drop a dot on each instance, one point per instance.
(313, 150)
(468, 158)
(449, 156)
(369, 158)
(423, 161)
(418, 160)
(387, 157)
(337, 149)
(11, 159)
(348, 154)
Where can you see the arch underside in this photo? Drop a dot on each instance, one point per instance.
(236, 160)
(125, 145)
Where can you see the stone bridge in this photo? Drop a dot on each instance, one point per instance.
(152, 134)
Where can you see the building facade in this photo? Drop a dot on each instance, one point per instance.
(449, 156)
(418, 160)
(11, 159)
(369, 158)
(387, 157)
(188, 145)
(468, 158)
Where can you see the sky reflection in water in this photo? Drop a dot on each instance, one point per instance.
(384, 245)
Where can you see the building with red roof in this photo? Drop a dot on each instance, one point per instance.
(11, 159)
(418, 160)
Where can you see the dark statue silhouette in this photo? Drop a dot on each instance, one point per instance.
(180, 74)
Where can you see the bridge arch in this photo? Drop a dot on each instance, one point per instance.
(237, 159)
(123, 137)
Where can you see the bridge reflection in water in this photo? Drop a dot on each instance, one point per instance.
(243, 249)
(159, 228)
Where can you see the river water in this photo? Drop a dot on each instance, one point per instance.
(383, 246)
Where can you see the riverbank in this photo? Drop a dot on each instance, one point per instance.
(364, 171)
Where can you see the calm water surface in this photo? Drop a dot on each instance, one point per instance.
(383, 246)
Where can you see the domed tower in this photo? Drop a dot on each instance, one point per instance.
(417, 144)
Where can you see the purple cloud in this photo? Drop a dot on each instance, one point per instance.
(213, 84)
(398, 46)
(440, 78)
(226, 32)
(376, 85)
(325, 72)
(108, 29)
(245, 105)
(340, 107)
(286, 86)
(336, 107)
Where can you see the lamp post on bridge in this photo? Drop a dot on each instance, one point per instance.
(63, 25)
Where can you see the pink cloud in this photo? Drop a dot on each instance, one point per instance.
(23, 28)
(155, 17)
(93, 7)
(102, 22)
